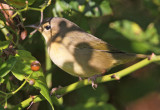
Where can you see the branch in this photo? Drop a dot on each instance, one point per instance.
(79, 84)
(4, 30)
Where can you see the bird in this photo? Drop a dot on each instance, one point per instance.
(79, 53)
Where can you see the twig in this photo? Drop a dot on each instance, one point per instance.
(41, 20)
(85, 82)
(8, 95)
(41, 17)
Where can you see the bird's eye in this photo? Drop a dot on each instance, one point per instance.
(48, 27)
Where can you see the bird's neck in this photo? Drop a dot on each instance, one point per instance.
(52, 40)
(46, 38)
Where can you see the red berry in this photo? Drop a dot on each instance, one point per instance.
(35, 66)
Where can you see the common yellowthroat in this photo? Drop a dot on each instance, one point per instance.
(78, 52)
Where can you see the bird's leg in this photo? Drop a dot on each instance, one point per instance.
(93, 79)
(31, 103)
(151, 56)
(80, 78)
(54, 91)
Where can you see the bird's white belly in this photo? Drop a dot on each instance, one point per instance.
(64, 59)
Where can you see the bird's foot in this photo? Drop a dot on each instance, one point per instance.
(151, 56)
(31, 103)
(93, 79)
(80, 78)
(54, 91)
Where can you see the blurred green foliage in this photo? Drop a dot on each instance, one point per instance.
(129, 25)
(19, 3)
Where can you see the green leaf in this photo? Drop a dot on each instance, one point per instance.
(41, 84)
(95, 10)
(92, 100)
(4, 44)
(148, 40)
(1, 107)
(22, 69)
(74, 5)
(57, 102)
(1, 80)
(6, 67)
(8, 85)
(105, 7)
(61, 6)
(19, 3)
(87, 94)
(92, 106)
(157, 2)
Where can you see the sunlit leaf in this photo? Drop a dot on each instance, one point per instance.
(23, 68)
(6, 67)
(157, 2)
(74, 5)
(4, 44)
(148, 40)
(61, 6)
(40, 83)
(94, 10)
(58, 101)
(1, 80)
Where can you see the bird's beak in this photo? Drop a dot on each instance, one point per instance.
(34, 26)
